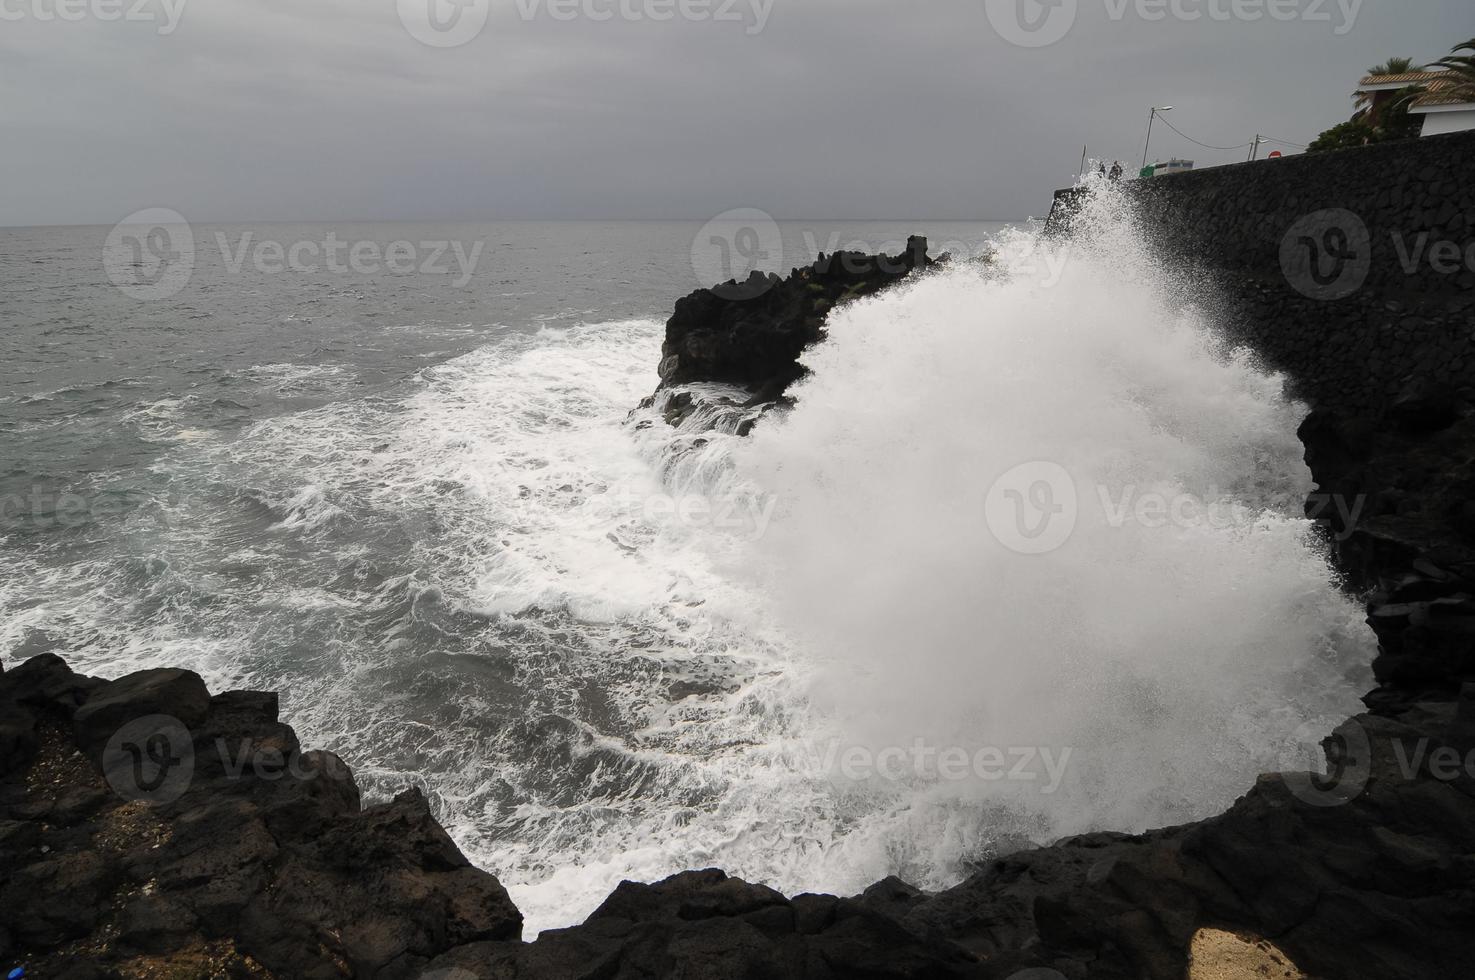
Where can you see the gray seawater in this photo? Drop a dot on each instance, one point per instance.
(379, 494)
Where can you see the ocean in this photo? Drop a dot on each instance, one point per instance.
(407, 485)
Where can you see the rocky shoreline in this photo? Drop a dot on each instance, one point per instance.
(151, 829)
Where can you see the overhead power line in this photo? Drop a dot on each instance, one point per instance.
(1240, 146)
(1206, 146)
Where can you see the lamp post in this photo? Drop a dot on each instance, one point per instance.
(1255, 146)
(1150, 117)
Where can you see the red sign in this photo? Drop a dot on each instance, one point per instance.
(1275, 154)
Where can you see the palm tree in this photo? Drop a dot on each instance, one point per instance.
(1461, 67)
(1393, 66)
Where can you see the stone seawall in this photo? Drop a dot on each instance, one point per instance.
(1352, 271)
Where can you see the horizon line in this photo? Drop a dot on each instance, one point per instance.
(454, 221)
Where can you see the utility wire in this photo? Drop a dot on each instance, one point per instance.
(1255, 142)
(1206, 146)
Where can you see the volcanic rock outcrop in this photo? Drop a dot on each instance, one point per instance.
(750, 334)
(150, 829)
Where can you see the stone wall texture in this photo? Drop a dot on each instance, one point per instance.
(1352, 271)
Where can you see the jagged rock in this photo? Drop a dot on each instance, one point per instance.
(45, 681)
(155, 924)
(265, 848)
(689, 895)
(751, 334)
(18, 742)
(706, 924)
(178, 694)
(56, 897)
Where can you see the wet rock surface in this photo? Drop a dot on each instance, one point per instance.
(732, 352)
(149, 829)
(750, 334)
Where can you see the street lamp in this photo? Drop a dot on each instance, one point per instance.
(1255, 146)
(1150, 117)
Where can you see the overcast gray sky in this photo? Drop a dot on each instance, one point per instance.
(255, 110)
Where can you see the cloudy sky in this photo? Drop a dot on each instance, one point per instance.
(255, 110)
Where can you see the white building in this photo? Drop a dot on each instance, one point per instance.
(1442, 113)
(1173, 166)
